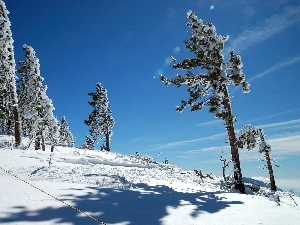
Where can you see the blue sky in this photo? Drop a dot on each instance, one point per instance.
(125, 44)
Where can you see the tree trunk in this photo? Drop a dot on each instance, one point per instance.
(270, 168)
(37, 141)
(238, 177)
(272, 178)
(107, 142)
(43, 142)
(17, 125)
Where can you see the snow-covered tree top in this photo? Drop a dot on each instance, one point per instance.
(207, 74)
(7, 63)
(250, 136)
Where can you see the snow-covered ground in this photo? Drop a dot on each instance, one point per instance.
(126, 190)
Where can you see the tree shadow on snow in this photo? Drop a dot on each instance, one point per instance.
(143, 205)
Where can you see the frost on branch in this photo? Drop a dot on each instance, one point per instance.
(36, 108)
(100, 119)
(207, 86)
(207, 77)
(251, 136)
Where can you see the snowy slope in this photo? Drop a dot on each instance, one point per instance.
(125, 190)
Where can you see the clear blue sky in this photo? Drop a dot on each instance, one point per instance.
(125, 44)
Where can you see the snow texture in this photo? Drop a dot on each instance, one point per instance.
(127, 190)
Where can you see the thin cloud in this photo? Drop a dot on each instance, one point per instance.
(209, 123)
(269, 116)
(215, 148)
(276, 67)
(285, 145)
(285, 124)
(270, 27)
(183, 143)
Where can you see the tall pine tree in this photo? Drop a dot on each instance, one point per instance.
(100, 119)
(209, 85)
(35, 106)
(9, 112)
(29, 88)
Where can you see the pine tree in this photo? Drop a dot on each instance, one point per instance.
(36, 107)
(250, 137)
(65, 135)
(88, 143)
(9, 114)
(29, 90)
(46, 126)
(210, 86)
(100, 119)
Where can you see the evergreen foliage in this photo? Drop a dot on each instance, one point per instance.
(65, 136)
(35, 106)
(88, 143)
(100, 119)
(207, 86)
(29, 90)
(250, 137)
(9, 112)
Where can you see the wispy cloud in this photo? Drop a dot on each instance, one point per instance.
(277, 66)
(281, 125)
(209, 123)
(265, 30)
(183, 143)
(269, 116)
(200, 150)
(285, 145)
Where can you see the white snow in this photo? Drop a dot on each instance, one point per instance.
(126, 190)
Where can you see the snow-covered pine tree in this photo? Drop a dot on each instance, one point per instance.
(88, 143)
(29, 88)
(9, 112)
(209, 85)
(46, 125)
(250, 137)
(35, 106)
(100, 119)
(65, 135)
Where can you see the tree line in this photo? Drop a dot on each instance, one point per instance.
(27, 111)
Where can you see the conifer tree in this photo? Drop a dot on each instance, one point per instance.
(9, 112)
(65, 135)
(88, 143)
(209, 85)
(29, 88)
(250, 137)
(36, 107)
(100, 119)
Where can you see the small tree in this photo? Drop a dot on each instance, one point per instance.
(100, 119)
(210, 88)
(65, 135)
(88, 143)
(250, 137)
(9, 112)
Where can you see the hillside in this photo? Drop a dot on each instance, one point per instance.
(126, 190)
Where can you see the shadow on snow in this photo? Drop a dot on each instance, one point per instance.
(142, 205)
